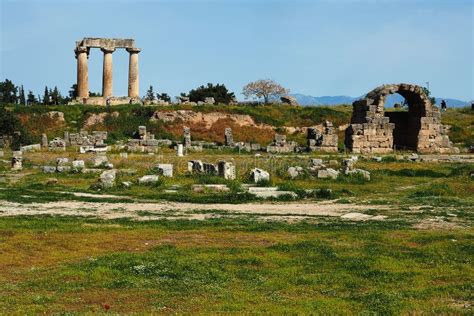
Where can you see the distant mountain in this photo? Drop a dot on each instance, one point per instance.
(307, 100)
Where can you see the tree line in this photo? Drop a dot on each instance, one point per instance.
(265, 90)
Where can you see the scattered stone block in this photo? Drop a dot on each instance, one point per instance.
(17, 161)
(62, 161)
(78, 165)
(99, 160)
(148, 179)
(215, 188)
(328, 173)
(165, 169)
(27, 148)
(294, 172)
(180, 150)
(107, 179)
(63, 169)
(48, 169)
(259, 175)
(226, 170)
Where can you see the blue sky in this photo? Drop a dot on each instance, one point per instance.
(311, 47)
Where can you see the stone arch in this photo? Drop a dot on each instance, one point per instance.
(372, 130)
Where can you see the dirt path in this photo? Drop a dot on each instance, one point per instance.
(173, 210)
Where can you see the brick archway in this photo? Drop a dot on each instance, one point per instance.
(372, 130)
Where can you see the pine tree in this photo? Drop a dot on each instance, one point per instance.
(46, 96)
(31, 99)
(56, 96)
(21, 96)
(150, 95)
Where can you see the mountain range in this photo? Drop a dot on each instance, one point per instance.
(307, 100)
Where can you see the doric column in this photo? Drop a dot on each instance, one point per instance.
(82, 72)
(133, 90)
(107, 72)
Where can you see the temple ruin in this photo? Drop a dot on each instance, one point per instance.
(107, 46)
(372, 130)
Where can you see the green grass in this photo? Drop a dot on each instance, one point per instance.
(232, 266)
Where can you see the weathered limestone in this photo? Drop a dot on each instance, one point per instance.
(107, 72)
(280, 145)
(228, 138)
(165, 169)
(17, 161)
(374, 131)
(328, 173)
(180, 150)
(82, 54)
(325, 140)
(187, 137)
(57, 144)
(78, 165)
(148, 179)
(107, 179)
(108, 46)
(195, 166)
(294, 172)
(133, 91)
(33, 147)
(99, 160)
(259, 175)
(270, 192)
(44, 141)
(210, 169)
(214, 188)
(226, 170)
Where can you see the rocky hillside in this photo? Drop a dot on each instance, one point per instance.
(249, 123)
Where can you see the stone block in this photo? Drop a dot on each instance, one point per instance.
(226, 170)
(259, 175)
(107, 179)
(148, 179)
(165, 169)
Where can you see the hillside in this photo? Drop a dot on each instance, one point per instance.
(249, 123)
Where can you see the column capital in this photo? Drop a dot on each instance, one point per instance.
(80, 50)
(134, 50)
(107, 50)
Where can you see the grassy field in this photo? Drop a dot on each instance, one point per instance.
(417, 259)
(51, 265)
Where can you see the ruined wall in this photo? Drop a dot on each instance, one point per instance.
(374, 131)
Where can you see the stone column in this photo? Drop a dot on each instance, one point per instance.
(107, 72)
(82, 54)
(133, 90)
